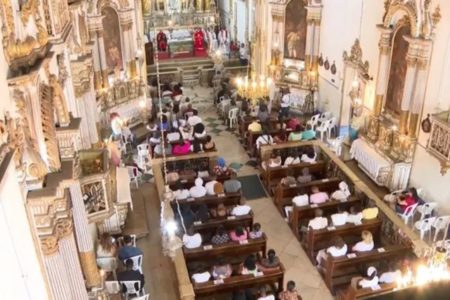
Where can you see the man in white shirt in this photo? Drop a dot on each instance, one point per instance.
(390, 276)
(201, 277)
(264, 139)
(371, 281)
(209, 186)
(241, 210)
(318, 222)
(340, 218)
(198, 190)
(301, 200)
(243, 57)
(194, 119)
(285, 104)
(192, 240)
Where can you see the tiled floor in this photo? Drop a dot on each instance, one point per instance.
(158, 270)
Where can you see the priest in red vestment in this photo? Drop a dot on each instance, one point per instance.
(161, 40)
(199, 40)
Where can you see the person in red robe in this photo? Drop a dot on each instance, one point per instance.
(161, 40)
(198, 40)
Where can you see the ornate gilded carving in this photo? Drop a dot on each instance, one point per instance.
(59, 101)
(49, 245)
(355, 57)
(63, 228)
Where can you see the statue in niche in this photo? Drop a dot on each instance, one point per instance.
(111, 39)
(295, 30)
(59, 102)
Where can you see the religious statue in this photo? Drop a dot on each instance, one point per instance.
(292, 40)
(199, 40)
(161, 40)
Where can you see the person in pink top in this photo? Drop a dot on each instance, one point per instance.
(239, 234)
(183, 147)
(317, 196)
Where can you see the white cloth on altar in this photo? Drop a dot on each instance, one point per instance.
(368, 157)
(123, 185)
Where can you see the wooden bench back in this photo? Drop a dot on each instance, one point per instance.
(211, 201)
(354, 294)
(317, 169)
(230, 223)
(187, 183)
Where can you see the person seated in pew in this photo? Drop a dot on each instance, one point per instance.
(194, 119)
(239, 234)
(201, 212)
(371, 212)
(339, 218)
(241, 210)
(264, 296)
(256, 231)
(403, 202)
(186, 130)
(249, 266)
(342, 193)
(199, 131)
(221, 169)
(173, 135)
(308, 134)
(209, 144)
(354, 216)
(366, 244)
(370, 281)
(339, 248)
(305, 177)
(272, 262)
(317, 196)
(159, 149)
(290, 293)
(309, 156)
(203, 171)
(232, 185)
(201, 276)
(187, 214)
(182, 148)
(280, 137)
(221, 269)
(254, 126)
(198, 190)
(273, 161)
(292, 123)
(181, 193)
(219, 212)
(290, 158)
(192, 240)
(289, 179)
(301, 200)
(391, 272)
(155, 138)
(264, 139)
(209, 186)
(319, 222)
(220, 237)
(196, 146)
(296, 135)
(130, 275)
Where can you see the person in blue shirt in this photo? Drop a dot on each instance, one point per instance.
(128, 250)
(308, 134)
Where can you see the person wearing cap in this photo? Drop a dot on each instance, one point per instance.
(342, 193)
(198, 190)
(367, 282)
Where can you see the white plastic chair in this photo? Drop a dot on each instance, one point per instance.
(137, 262)
(313, 121)
(124, 142)
(336, 144)
(426, 209)
(112, 286)
(325, 116)
(134, 174)
(322, 128)
(232, 116)
(408, 213)
(331, 126)
(133, 288)
(424, 226)
(439, 225)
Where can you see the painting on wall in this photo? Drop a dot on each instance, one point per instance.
(111, 39)
(397, 72)
(94, 198)
(295, 30)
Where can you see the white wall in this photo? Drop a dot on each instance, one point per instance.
(241, 10)
(22, 275)
(426, 168)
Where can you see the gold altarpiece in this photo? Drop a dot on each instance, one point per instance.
(393, 134)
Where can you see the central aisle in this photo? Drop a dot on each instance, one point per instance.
(280, 237)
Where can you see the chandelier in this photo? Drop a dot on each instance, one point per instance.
(252, 88)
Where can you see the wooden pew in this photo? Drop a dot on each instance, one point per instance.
(229, 223)
(245, 121)
(240, 282)
(252, 136)
(227, 199)
(302, 213)
(273, 175)
(340, 270)
(362, 293)
(284, 194)
(187, 183)
(231, 248)
(320, 239)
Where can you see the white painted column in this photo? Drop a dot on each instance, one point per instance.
(383, 68)
(58, 277)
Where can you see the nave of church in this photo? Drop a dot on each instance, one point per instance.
(229, 149)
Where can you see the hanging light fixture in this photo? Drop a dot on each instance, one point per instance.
(253, 88)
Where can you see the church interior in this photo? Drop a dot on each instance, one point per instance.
(225, 149)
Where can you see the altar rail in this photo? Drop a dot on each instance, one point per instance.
(186, 289)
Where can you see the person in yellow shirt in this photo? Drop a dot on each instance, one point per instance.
(255, 126)
(371, 212)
